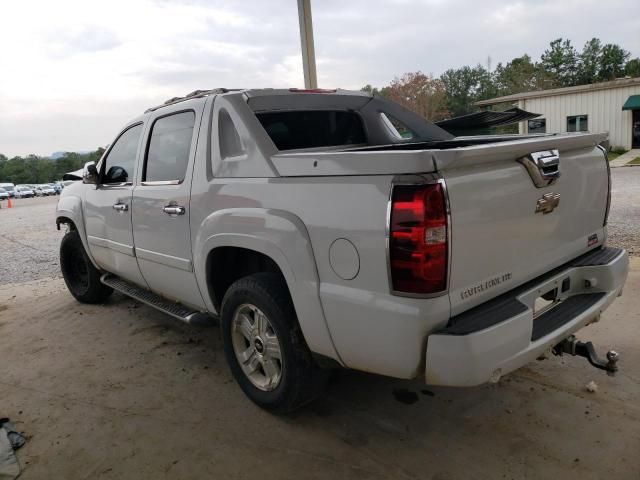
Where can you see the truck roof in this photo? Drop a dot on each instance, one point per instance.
(261, 92)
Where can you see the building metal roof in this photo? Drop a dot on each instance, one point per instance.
(620, 82)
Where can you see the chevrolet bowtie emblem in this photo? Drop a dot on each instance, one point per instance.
(548, 203)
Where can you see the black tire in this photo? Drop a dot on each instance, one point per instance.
(301, 380)
(81, 277)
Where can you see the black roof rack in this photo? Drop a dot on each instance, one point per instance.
(189, 96)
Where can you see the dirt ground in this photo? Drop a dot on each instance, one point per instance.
(122, 391)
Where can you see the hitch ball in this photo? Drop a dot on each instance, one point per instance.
(612, 362)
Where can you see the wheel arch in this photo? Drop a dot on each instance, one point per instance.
(227, 264)
(267, 235)
(69, 212)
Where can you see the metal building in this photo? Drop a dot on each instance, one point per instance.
(612, 107)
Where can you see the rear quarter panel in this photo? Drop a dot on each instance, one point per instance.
(367, 328)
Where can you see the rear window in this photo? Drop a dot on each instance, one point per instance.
(309, 129)
(169, 147)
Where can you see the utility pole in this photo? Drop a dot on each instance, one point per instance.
(306, 41)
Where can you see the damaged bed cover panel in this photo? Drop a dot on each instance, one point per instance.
(411, 158)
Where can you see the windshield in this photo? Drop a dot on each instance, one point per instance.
(2, 190)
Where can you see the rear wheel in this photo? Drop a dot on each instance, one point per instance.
(81, 277)
(264, 346)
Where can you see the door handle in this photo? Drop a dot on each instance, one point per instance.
(173, 210)
(121, 207)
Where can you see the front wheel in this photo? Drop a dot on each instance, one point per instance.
(264, 346)
(81, 277)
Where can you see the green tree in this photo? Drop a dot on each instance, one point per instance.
(3, 161)
(520, 75)
(69, 162)
(487, 87)
(589, 62)
(560, 62)
(632, 68)
(34, 170)
(465, 86)
(369, 89)
(383, 92)
(612, 62)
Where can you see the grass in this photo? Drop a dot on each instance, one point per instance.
(635, 161)
(616, 152)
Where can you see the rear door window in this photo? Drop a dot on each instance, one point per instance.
(169, 147)
(299, 129)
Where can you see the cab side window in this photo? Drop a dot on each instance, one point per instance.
(121, 160)
(169, 147)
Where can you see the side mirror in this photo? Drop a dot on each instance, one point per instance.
(116, 174)
(90, 173)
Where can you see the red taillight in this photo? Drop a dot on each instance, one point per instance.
(418, 239)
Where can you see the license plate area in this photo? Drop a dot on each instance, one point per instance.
(545, 302)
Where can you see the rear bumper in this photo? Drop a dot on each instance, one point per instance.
(500, 336)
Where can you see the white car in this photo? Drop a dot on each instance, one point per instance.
(24, 192)
(9, 187)
(4, 195)
(44, 190)
(319, 236)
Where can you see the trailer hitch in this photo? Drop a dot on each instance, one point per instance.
(572, 346)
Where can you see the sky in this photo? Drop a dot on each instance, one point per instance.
(72, 72)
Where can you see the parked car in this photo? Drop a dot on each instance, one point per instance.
(44, 190)
(9, 187)
(319, 236)
(3, 194)
(24, 192)
(57, 186)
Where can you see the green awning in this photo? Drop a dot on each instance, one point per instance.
(632, 103)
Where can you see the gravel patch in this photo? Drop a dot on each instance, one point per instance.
(29, 240)
(624, 219)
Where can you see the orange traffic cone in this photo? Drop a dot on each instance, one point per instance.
(9, 204)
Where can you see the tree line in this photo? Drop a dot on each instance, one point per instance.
(33, 169)
(452, 94)
(561, 65)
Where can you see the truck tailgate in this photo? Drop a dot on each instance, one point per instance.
(505, 230)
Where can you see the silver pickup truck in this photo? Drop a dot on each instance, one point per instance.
(327, 228)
